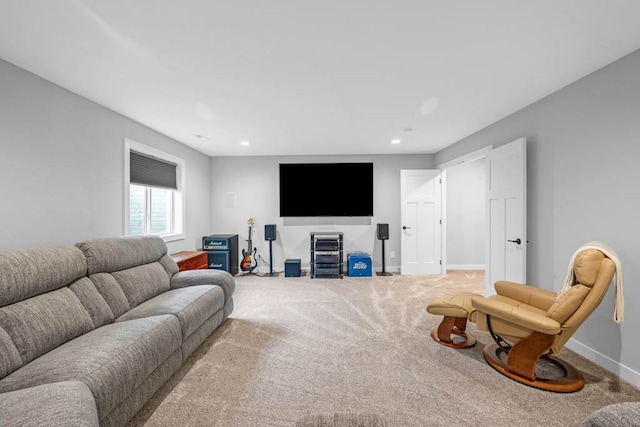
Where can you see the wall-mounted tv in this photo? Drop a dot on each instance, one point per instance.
(326, 189)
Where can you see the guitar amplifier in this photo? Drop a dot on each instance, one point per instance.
(219, 242)
(226, 248)
(219, 260)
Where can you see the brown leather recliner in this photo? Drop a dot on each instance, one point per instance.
(530, 323)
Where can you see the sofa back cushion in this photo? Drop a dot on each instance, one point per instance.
(142, 282)
(25, 273)
(10, 360)
(38, 309)
(93, 302)
(111, 291)
(40, 324)
(128, 270)
(119, 253)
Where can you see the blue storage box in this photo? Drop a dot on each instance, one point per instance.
(359, 264)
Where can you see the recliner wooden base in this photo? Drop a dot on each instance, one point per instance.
(572, 381)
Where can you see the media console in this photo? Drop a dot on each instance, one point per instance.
(190, 260)
(326, 254)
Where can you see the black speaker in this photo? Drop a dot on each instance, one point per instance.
(383, 231)
(270, 232)
(292, 268)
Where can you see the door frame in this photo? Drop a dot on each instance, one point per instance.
(469, 157)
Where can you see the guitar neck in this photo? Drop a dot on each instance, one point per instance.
(250, 223)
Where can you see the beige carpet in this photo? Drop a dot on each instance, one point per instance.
(299, 348)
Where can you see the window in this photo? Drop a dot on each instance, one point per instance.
(150, 210)
(154, 189)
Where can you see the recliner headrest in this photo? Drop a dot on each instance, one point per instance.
(586, 266)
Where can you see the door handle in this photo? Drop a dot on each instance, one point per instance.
(517, 241)
(404, 227)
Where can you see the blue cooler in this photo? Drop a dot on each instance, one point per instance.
(359, 264)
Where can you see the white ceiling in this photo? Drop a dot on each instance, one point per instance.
(316, 76)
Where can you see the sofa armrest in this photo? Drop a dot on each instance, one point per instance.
(54, 404)
(205, 277)
(516, 315)
(539, 298)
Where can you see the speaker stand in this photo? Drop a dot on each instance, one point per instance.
(271, 273)
(383, 272)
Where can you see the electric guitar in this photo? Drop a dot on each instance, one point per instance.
(249, 261)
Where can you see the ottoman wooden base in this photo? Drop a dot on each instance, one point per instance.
(452, 330)
(449, 329)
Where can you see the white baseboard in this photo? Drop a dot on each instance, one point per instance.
(465, 266)
(624, 372)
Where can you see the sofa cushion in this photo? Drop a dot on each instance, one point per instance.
(40, 324)
(93, 302)
(67, 403)
(29, 272)
(120, 253)
(142, 282)
(192, 305)
(112, 293)
(112, 360)
(10, 360)
(169, 265)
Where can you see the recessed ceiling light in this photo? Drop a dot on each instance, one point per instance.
(244, 143)
(395, 141)
(201, 137)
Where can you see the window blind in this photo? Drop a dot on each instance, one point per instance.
(151, 171)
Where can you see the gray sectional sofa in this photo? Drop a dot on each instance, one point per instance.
(88, 333)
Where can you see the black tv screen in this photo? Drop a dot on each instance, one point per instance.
(326, 189)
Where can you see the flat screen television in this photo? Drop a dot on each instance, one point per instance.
(326, 189)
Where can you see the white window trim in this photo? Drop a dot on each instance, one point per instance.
(178, 213)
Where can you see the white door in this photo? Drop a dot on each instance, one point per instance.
(506, 214)
(421, 234)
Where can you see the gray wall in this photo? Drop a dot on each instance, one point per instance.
(254, 180)
(583, 148)
(62, 167)
(465, 211)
